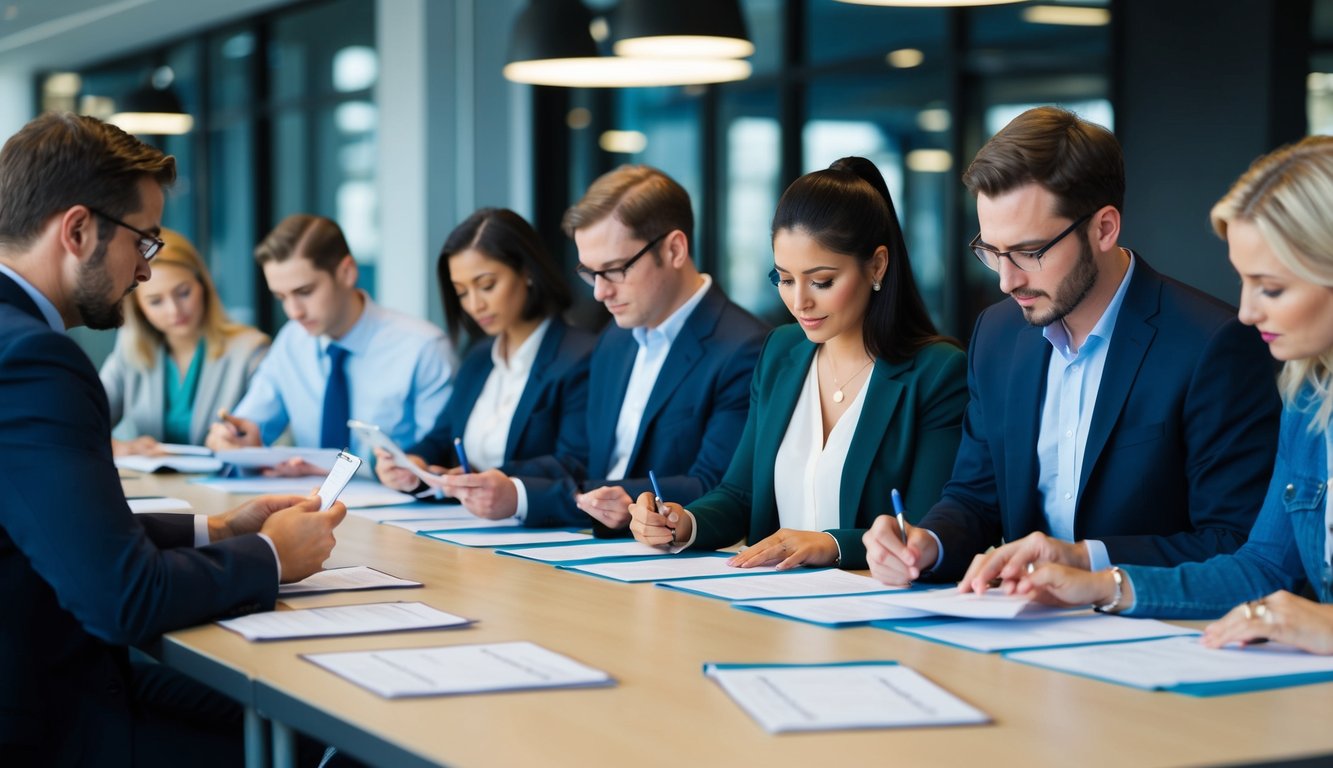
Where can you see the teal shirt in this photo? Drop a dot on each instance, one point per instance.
(180, 396)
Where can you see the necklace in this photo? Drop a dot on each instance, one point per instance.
(838, 395)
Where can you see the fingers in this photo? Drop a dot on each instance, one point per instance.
(890, 561)
(650, 527)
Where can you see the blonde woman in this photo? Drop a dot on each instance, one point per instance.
(178, 359)
(1280, 240)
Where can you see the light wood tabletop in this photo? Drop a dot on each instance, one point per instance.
(663, 711)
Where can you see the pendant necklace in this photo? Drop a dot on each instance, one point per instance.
(838, 395)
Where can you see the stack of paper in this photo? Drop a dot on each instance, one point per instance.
(271, 456)
(460, 669)
(503, 538)
(171, 463)
(573, 553)
(451, 524)
(342, 620)
(666, 568)
(1072, 629)
(417, 511)
(820, 697)
(968, 605)
(801, 583)
(1182, 665)
(142, 504)
(835, 611)
(358, 493)
(351, 578)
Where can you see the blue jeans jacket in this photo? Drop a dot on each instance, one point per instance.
(1285, 549)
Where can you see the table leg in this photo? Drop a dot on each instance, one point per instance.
(256, 733)
(284, 745)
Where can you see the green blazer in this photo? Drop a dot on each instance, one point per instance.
(907, 438)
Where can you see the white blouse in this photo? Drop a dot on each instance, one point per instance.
(807, 477)
(487, 431)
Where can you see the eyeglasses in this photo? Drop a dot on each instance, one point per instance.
(1027, 261)
(617, 274)
(149, 244)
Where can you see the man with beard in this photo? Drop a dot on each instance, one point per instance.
(1116, 415)
(83, 577)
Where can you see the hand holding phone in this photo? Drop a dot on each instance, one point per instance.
(375, 437)
(343, 470)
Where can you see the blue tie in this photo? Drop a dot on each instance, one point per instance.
(333, 431)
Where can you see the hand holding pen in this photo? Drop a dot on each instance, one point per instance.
(657, 522)
(897, 552)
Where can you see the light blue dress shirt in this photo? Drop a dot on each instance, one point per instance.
(400, 372)
(44, 304)
(1073, 378)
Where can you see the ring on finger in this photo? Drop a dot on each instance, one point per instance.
(1249, 610)
(1261, 611)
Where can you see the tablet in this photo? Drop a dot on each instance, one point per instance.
(375, 437)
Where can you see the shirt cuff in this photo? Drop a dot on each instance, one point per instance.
(694, 532)
(201, 538)
(521, 508)
(939, 548)
(276, 562)
(1098, 558)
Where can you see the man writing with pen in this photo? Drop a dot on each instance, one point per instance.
(1116, 415)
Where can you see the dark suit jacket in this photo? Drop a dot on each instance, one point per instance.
(83, 577)
(906, 438)
(554, 399)
(1179, 449)
(690, 427)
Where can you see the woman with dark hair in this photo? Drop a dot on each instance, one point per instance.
(516, 390)
(861, 396)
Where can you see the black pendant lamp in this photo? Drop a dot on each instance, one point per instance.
(681, 29)
(150, 111)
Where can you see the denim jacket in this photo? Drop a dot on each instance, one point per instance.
(1285, 549)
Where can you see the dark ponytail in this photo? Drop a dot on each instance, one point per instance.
(847, 209)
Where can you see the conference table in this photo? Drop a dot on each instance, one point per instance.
(663, 710)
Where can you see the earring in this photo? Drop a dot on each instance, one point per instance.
(529, 282)
(875, 285)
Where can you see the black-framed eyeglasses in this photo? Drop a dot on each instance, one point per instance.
(149, 244)
(1027, 261)
(617, 274)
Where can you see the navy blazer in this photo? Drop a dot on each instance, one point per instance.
(690, 426)
(554, 399)
(84, 577)
(1178, 452)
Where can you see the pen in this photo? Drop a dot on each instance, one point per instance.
(223, 416)
(462, 457)
(657, 491)
(898, 513)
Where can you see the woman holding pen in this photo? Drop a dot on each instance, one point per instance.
(178, 360)
(861, 396)
(1280, 240)
(518, 388)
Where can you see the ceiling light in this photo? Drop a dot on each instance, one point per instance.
(710, 29)
(905, 58)
(150, 111)
(929, 160)
(1073, 16)
(623, 142)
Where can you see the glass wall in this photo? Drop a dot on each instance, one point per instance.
(915, 90)
(285, 122)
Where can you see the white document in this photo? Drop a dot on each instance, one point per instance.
(150, 464)
(459, 669)
(968, 605)
(271, 456)
(157, 504)
(666, 568)
(342, 620)
(507, 538)
(1176, 661)
(848, 609)
(359, 493)
(568, 553)
(181, 449)
(838, 697)
(413, 512)
(990, 635)
(452, 524)
(345, 579)
(787, 584)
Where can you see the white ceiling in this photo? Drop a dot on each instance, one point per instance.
(59, 34)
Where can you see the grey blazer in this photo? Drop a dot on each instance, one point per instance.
(137, 396)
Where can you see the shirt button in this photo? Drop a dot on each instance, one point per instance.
(1289, 492)
(1069, 433)
(1068, 496)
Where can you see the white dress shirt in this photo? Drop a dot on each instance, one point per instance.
(486, 434)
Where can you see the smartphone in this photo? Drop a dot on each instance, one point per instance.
(372, 435)
(344, 468)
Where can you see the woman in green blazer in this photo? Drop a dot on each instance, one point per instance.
(861, 396)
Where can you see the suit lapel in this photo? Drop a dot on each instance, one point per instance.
(881, 402)
(1129, 345)
(210, 378)
(788, 378)
(1022, 417)
(535, 385)
(466, 391)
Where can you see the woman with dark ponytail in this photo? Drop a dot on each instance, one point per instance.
(859, 397)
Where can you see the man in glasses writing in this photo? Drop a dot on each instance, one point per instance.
(669, 383)
(1116, 415)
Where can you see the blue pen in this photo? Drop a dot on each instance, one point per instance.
(462, 457)
(657, 490)
(898, 513)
